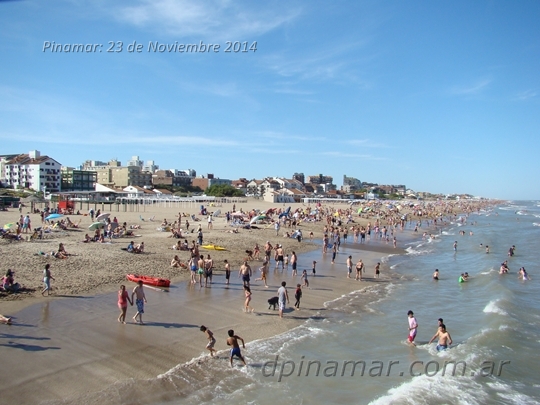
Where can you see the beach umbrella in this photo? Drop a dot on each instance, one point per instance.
(9, 226)
(359, 210)
(216, 214)
(53, 216)
(103, 216)
(96, 225)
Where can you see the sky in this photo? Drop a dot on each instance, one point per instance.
(443, 97)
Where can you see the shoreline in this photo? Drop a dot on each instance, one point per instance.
(132, 352)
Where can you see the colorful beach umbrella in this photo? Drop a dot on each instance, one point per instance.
(53, 216)
(9, 226)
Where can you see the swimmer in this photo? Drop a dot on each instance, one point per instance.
(436, 275)
(523, 274)
(445, 339)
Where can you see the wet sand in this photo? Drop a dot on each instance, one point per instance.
(66, 349)
(73, 350)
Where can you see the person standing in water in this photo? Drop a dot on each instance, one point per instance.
(445, 339)
(232, 340)
(413, 327)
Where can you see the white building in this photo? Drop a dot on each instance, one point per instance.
(33, 171)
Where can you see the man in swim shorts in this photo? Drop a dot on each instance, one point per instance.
(232, 340)
(245, 273)
(138, 296)
(445, 339)
(413, 326)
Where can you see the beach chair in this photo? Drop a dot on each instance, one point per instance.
(152, 219)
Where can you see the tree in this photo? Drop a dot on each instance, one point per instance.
(223, 190)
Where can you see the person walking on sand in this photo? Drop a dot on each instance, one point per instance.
(305, 278)
(349, 266)
(248, 294)
(140, 299)
(283, 298)
(298, 296)
(47, 277)
(211, 340)
(359, 269)
(377, 270)
(123, 299)
(232, 340)
(413, 326)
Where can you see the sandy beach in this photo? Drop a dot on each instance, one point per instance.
(69, 348)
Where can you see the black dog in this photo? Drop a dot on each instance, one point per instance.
(273, 302)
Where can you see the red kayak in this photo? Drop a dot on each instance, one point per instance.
(155, 281)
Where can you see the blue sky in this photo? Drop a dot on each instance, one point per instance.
(439, 96)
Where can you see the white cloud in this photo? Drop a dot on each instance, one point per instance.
(336, 154)
(213, 18)
(471, 89)
(526, 95)
(367, 143)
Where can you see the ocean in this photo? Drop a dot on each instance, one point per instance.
(494, 321)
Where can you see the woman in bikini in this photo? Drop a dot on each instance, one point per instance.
(247, 292)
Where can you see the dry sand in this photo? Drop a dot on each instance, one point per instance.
(60, 349)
